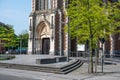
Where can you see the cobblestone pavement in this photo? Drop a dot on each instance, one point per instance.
(110, 72)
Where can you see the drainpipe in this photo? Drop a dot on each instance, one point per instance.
(33, 34)
(60, 32)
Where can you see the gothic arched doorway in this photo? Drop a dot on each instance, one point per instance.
(43, 35)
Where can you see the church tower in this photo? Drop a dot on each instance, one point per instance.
(46, 30)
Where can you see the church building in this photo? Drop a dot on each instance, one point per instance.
(46, 31)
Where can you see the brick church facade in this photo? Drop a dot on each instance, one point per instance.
(46, 32)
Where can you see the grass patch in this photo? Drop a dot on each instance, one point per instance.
(6, 57)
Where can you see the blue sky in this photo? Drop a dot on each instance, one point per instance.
(16, 13)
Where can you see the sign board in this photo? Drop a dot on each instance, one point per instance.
(80, 47)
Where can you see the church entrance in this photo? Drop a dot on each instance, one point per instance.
(43, 41)
(45, 45)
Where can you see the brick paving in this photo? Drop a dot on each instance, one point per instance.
(110, 72)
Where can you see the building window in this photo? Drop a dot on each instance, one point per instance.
(52, 22)
(30, 24)
(39, 4)
(36, 4)
(48, 3)
(44, 4)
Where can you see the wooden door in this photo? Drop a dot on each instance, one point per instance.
(45, 45)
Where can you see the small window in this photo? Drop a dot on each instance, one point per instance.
(30, 24)
(39, 4)
(52, 22)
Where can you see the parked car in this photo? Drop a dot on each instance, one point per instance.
(17, 51)
(21, 51)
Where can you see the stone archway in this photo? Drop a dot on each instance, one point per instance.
(43, 35)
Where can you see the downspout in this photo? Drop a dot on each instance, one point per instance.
(60, 32)
(33, 36)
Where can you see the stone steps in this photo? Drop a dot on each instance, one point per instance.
(72, 67)
(61, 70)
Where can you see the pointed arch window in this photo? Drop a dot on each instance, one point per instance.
(43, 4)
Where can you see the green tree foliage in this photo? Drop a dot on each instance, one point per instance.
(93, 19)
(23, 37)
(7, 36)
(94, 13)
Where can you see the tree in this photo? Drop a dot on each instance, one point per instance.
(8, 36)
(24, 38)
(91, 20)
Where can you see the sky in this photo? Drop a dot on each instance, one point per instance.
(16, 13)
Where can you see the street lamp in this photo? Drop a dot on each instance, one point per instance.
(102, 40)
(20, 45)
(68, 41)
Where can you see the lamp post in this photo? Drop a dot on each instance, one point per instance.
(20, 45)
(102, 40)
(68, 52)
